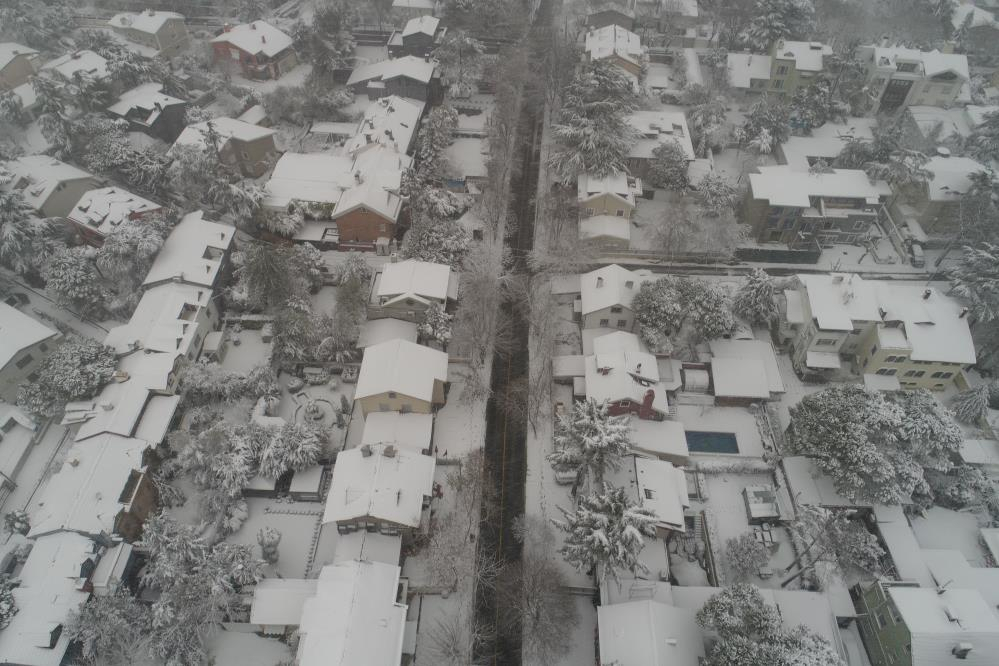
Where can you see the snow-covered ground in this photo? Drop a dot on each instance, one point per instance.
(298, 523)
(955, 530)
(234, 648)
(459, 426)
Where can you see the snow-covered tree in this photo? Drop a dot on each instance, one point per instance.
(664, 305)
(12, 108)
(439, 242)
(72, 280)
(739, 610)
(756, 299)
(353, 268)
(16, 232)
(606, 531)
(971, 406)
(8, 605)
(206, 383)
(268, 539)
(814, 105)
(768, 123)
(112, 630)
(17, 522)
(75, 370)
(707, 123)
(436, 324)
(745, 555)
(295, 447)
(875, 446)
(238, 198)
(271, 275)
(658, 306)
(326, 42)
(35, 23)
(287, 222)
(963, 487)
(983, 143)
(775, 20)
(903, 170)
(589, 440)
(709, 309)
(835, 538)
(976, 279)
(668, 167)
(188, 174)
(435, 136)
(460, 57)
(130, 248)
(714, 194)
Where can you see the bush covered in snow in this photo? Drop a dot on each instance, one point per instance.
(77, 369)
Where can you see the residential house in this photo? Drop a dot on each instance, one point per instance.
(918, 626)
(101, 211)
(607, 233)
(77, 65)
(261, 50)
(18, 64)
(411, 9)
(983, 28)
(408, 76)
(784, 205)
(380, 487)
(358, 616)
(375, 331)
(171, 318)
(789, 66)
(103, 489)
(648, 632)
(605, 297)
(412, 432)
(404, 290)
(898, 77)
(399, 376)
(621, 372)
(919, 335)
(17, 434)
(936, 205)
(391, 122)
(931, 126)
(615, 194)
(744, 371)
(24, 344)
(150, 111)
(654, 129)
(276, 609)
(50, 187)
(824, 143)
(602, 14)
(163, 32)
(419, 37)
(196, 253)
(662, 488)
(616, 45)
(249, 148)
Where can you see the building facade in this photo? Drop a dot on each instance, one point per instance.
(899, 77)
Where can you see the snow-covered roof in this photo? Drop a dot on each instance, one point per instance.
(380, 482)
(932, 322)
(951, 568)
(192, 252)
(370, 195)
(979, 17)
(391, 121)
(18, 434)
(50, 589)
(825, 142)
(617, 184)
(927, 614)
(85, 494)
(901, 544)
(227, 128)
(110, 571)
(605, 226)
(648, 633)
(739, 378)
(149, 21)
(308, 177)
(609, 286)
(11, 50)
(612, 40)
(467, 157)
(369, 546)
(933, 62)
(164, 320)
(38, 176)
(621, 369)
(418, 69)
(106, 208)
(759, 350)
(354, 617)
(659, 438)
(26, 93)
(401, 367)
(411, 278)
(980, 452)
(662, 488)
(426, 25)
(409, 431)
(976, 113)
(838, 300)
(129, 409)
(145, 102)
(375, 331)
(807, 56)
(279, 601)
(810, 485)
(256, 37)
(783, 186)
(414, 4)
(989, 537)
(84, 63)
(952, 122)
(657, 127)
(951, 177)
(877, 382)
(743, 68)
(18, 331)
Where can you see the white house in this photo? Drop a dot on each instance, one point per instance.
(101, 211)
(899, 77)
(390, 121)
(163, 32)
(606, 295)
(77, 64)
(617, 45)
(406, 289)
(24, 344)
(50, 187)
(648, 633)
(17, 435)
(654, 129)
(196, 253)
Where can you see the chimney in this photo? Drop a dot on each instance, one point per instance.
(263, 39)
(151, 11)
(358, 178)
(600, 282)
(638, 369)
(226, 27)
(964, 312)
(883, 313)
(253, 26)
(646, 411)
(366, 450)
(389, 451)
(962, 650)
(926, 294)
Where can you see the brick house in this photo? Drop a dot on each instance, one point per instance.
(101, 211)
(261, 50)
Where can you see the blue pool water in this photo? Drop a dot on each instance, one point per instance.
(711, 442)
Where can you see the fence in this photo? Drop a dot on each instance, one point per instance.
(808, 255)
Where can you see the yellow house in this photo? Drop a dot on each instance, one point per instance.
(401, 376)
(840, 323)
(611, 195)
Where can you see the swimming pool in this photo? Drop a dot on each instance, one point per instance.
(711, 442)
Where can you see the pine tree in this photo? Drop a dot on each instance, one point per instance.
(436, 324)
(353, 268)
(756, 301)
(668, 167)
(72, 280)
(77, 369)
(971, 406)
(442, 242)
(591, 441)
(295, 447)
(710, 309)
(775, 20)
(832, 537)
(460, 57)
(739, 610)
(976, 279)
(745, 555)
(606, 532)
(715, 195)
(16, 232)
(112, 630)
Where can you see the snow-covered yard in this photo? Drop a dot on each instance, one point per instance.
(737, 420)
(298, 523)
(234, 648)
(460, 425)
(251, 351)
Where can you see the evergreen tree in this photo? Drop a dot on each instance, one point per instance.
(443, 242)
(353, 268)
(17, 232)
(745, 555)
(460, 57)
(739, 610)
(436, 324)
(112, 630)
(8, 604)
(715, 195)
(588, 439)
(295, 447)
(668, 167)
(606, 532)
(776, 20)
(983, 143)
(835, 538)
(77, 369)
(976, 279)
(756, 299)
(972, 405)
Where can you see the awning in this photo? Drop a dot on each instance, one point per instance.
(822, 360)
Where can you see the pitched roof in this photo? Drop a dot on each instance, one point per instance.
(10, 50)
(380, 482)
(18, 331)
(934, 62)
(312, 177)
(148, 21)
(410, 277)
(927, 614)
(78, 62)
(782, 185)
(743, 68)
(279, 601)
(401, 367)
(186, 254)
(162, 321)
(613, 40)
(621, 369)
(616, 184)
(256, 37)
(418, 69)
(951, 176)
(228, 128)
(354, 617)
(663, 488)
(426, 25)
(391, 121)
(406, 430)
(658, 127)
(106, 208)
(807, 56)
(38, 176)
(148, 101)
(608, 286)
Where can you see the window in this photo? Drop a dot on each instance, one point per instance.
(392, 395)
(630, 284)
(406, 408)
(779, 84)
(589, 212)
(942, 375)
(894, 359)
(605, 322)
(622, 323)
(650, 494)
(887, 372)
(616, 309)
(782, 70)
(625, 403)
(383, 407)
(33, 377)
(825, 342)
(937, 387)
(914, 373)
(620, 213)
(859, 225)
(24, 361)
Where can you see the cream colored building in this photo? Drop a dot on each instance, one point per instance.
(605, 297)
(401, 376)
(841, 324)
(612, 195)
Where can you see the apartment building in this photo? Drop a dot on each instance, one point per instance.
(900, 77)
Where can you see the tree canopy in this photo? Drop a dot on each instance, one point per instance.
(77, 369)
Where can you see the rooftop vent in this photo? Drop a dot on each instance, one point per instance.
(366, 450)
